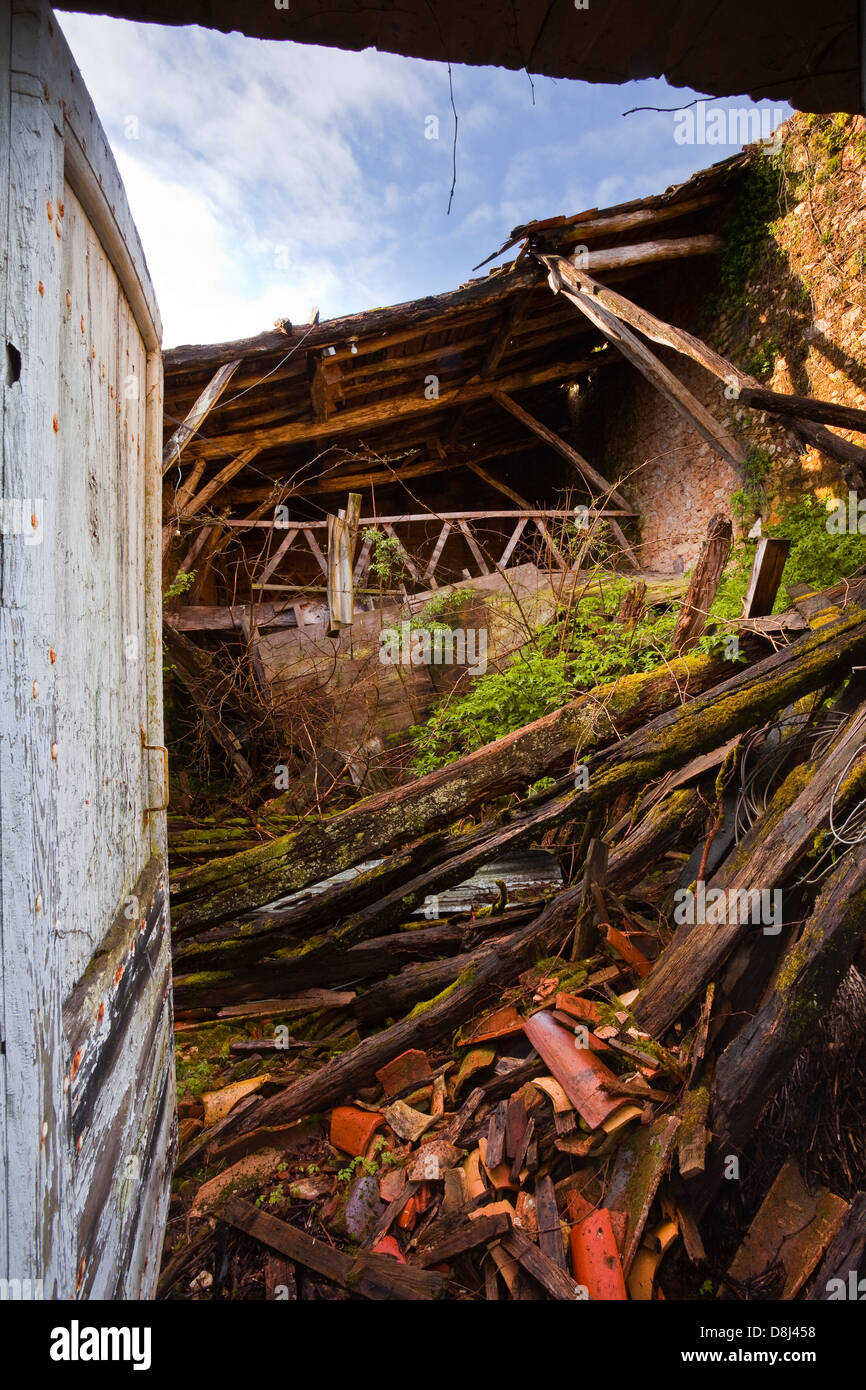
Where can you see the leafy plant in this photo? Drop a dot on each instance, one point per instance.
(817, 557)
(182, 583)
(441, 610)
(386, 556)
(582, 647)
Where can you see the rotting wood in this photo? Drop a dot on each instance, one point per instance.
(770, 852)
(221, 888)
(754, 1064)
(766, 576)
(852, 457)
(703, 585)
(371, 1276)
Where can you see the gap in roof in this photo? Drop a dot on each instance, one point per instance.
(266, 178)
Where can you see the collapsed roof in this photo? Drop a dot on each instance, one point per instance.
(402, 393)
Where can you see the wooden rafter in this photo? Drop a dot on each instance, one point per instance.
(852, 457)
(590, 475)
(199, 412)
(650, 366)
(278, 555)
(388, 412)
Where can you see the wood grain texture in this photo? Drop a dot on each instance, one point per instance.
(80, 677)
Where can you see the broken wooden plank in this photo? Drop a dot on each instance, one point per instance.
(793, 1228)
(766, 576)
(371, 1276)
(199, 412)
(544, 1271)
(467, 1237)
(640, 1165)
(549, 1226)
(838, 1275)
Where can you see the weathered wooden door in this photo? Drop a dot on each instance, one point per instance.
(86, 1070)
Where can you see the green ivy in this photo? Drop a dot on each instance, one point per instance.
(183, 582)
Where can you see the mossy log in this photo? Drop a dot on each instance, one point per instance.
(754, 1065)
(228, 887)
(496, 967)
(775, 847)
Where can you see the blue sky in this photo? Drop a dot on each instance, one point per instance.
(266, 178)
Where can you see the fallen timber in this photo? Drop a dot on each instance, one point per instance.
(253, 877)
(226, 888)
(683, 1070)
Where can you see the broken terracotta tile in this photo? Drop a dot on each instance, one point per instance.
(387, 1245)
(432, 1161)
(630, 953)
(641, 1278)
(217, 1104)
(502, 1023)
(475, 1184)
(525, 1215)
(579, 1072)
(500, 1176)
(407, 1123)
(586, 1010)
(403, 1071)
(551, 1087)
(577, 1206)
(595, 1259)
(352, 1129)
(477, 1059)
(493, 1209)
(793, 1227)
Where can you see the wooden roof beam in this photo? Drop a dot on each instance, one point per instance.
(593, 479)
(851, 457)
(562, 280)
(204, 404)
(389, 412)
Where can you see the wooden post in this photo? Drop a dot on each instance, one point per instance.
(704, 583)
(196, 417)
